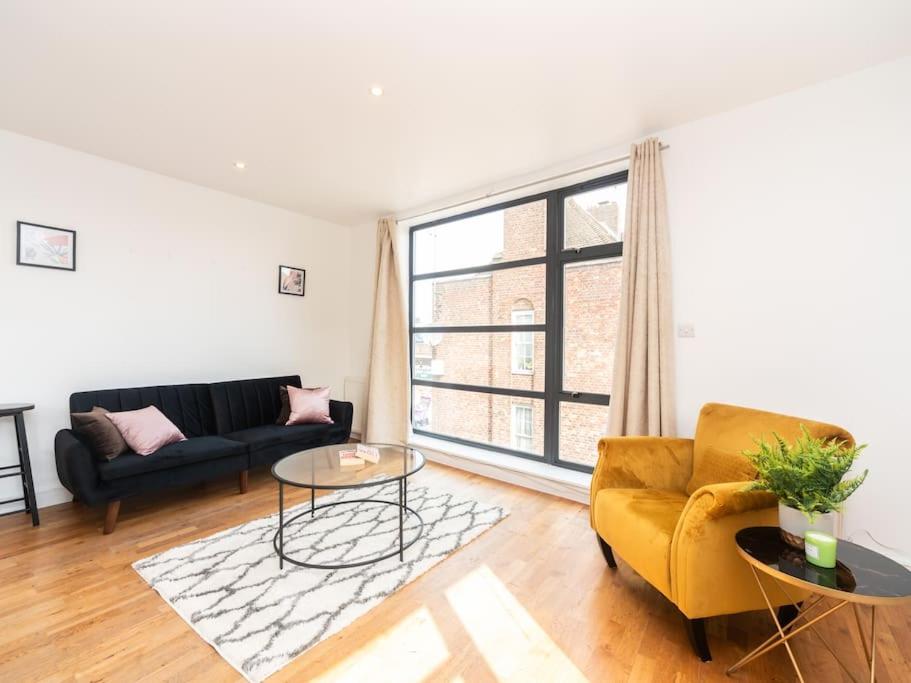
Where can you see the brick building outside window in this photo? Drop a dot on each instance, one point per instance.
(516, 360)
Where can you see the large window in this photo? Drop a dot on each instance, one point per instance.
(514, 313)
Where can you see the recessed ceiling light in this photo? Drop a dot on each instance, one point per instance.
(376, 91)
(240, 165)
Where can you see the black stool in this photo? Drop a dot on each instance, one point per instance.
(24, 468)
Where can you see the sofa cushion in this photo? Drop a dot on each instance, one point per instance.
(285, 411)
(177, 454)
(724, 432)
(246, 403)
(146, 430)
(308, 406)
(99, 433)
(270, 435)
(639, 526)
(188, 406)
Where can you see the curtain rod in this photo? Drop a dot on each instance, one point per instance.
(482, 197)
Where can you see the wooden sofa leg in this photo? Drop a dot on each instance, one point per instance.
(110, 516)
(695, 629)
(243, 480)
(607, 552)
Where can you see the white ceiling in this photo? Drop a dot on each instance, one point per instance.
(476, 90)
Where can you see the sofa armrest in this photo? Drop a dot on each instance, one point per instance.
(76, 467)
(708, 576)
(342, 413)
(640, 462)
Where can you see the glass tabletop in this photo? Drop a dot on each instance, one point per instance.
(859, 571)
(320, 468)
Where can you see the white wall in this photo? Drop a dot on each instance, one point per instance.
(791, 233)
(791, 237)
(174, 283)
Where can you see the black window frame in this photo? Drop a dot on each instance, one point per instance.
(556, 257)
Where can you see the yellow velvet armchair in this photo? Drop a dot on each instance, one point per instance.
(670, 507)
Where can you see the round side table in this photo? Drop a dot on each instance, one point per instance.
(860, 577)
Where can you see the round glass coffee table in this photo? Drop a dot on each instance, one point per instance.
(319, 469)
(860, 577)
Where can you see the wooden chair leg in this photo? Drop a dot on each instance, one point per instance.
(787, 614)
(607, 552)
(695, 629)
(110, 516)
(243, 480)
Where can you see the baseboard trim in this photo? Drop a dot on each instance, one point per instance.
(46, 498)
(53, 496)
(556, 481)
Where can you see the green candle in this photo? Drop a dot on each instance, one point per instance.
(820, 548)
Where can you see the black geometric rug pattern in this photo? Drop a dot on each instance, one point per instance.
(229, 589)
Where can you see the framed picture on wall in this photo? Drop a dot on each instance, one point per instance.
(291, 280)
(45, 247)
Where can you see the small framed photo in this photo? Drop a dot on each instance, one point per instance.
(291, 280)
(45, 247)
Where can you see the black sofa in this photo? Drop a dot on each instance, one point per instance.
(230, 427)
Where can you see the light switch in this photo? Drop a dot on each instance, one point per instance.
(686, 330)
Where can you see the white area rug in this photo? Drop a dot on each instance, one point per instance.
(229, 588)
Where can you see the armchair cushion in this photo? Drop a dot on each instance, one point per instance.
(724, 432)
(639, 525)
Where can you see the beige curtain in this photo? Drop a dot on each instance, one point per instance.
(387, 382)
(642, 398)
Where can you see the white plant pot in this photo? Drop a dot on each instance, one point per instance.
(794, 524)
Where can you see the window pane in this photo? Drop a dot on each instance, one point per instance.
(481, 298)
(581, 426)
(591, 310)
(594, 217)
(484, 418)
(518, 232)
(480, 358)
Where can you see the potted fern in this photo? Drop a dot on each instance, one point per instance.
(808, 479)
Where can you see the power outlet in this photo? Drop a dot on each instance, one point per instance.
(686, 330)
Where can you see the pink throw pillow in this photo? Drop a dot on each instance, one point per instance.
(309, 406)
(146, 430)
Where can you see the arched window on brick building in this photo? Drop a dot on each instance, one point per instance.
(523, 343)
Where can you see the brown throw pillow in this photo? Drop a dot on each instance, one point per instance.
(285, 413)
(100, 433)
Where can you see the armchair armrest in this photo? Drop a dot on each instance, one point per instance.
(639, 462)
(730, 498)
(708, 576)
(643, 462)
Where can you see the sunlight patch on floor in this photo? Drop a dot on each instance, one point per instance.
(407, 653)
(512, 643)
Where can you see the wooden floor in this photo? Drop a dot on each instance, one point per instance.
(530, 600)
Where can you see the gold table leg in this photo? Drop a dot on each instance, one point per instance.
(872, 643)
(785, 633)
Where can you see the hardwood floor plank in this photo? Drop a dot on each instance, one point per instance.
(72, 608)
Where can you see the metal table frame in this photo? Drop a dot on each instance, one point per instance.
(784, 632)
(278, 541)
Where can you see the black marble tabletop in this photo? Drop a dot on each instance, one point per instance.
(858, 570)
